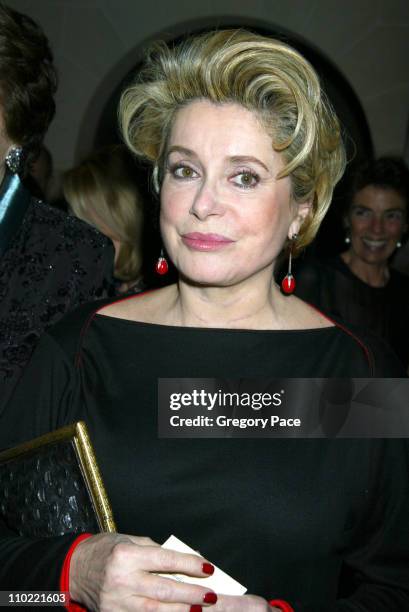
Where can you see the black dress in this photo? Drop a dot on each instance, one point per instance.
(50, 263)
(333, 288)
(284, 517)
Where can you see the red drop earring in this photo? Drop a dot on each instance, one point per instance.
(161, 266)
(288, 282)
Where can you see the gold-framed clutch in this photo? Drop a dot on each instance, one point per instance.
(52, 486)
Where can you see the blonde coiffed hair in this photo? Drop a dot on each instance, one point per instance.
(102, 192)
(265, 76)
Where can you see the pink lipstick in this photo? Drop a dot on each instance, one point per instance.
(205, 242)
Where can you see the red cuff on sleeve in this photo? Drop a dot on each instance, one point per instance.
(281, 605)
(65, 574)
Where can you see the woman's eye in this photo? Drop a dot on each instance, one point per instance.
(245, 179)
(361, 212)
(394, 215)
(183, 172)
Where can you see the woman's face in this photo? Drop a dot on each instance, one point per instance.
(224, 215)
(377, 220)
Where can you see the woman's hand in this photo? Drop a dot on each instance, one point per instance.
(118, 572)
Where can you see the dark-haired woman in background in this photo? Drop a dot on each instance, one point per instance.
(359, 286)
(49, 262)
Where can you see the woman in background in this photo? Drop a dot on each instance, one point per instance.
(102, 191)
(359, 286)
(246, 151)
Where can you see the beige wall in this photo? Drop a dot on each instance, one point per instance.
(96, 42)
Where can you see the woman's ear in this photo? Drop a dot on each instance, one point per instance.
(302, 211)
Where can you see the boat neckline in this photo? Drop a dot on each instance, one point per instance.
(214, 329)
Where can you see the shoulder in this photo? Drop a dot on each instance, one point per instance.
(79, 257)
(381, 360)
(70, 330)
(75, 324)
(44, 217)
(348, 351)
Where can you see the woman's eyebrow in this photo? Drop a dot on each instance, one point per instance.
(392, 209)
(247, 158)
(233, 159)
(179, 149)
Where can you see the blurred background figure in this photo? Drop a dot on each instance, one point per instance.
(49, 262)
(102, 191)
(359, 285)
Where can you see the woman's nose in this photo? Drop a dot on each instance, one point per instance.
(377, 225)
(206, 203)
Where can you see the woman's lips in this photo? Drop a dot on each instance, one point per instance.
(374, 245)
(206, 242)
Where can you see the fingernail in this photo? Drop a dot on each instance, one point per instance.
(210, 598)
(208, 568)
(195, 608)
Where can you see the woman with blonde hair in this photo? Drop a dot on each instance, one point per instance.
(246, 151)
(102, 191)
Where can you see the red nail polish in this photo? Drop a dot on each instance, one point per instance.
(208, 568)
(210, 598)
(195, 608)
